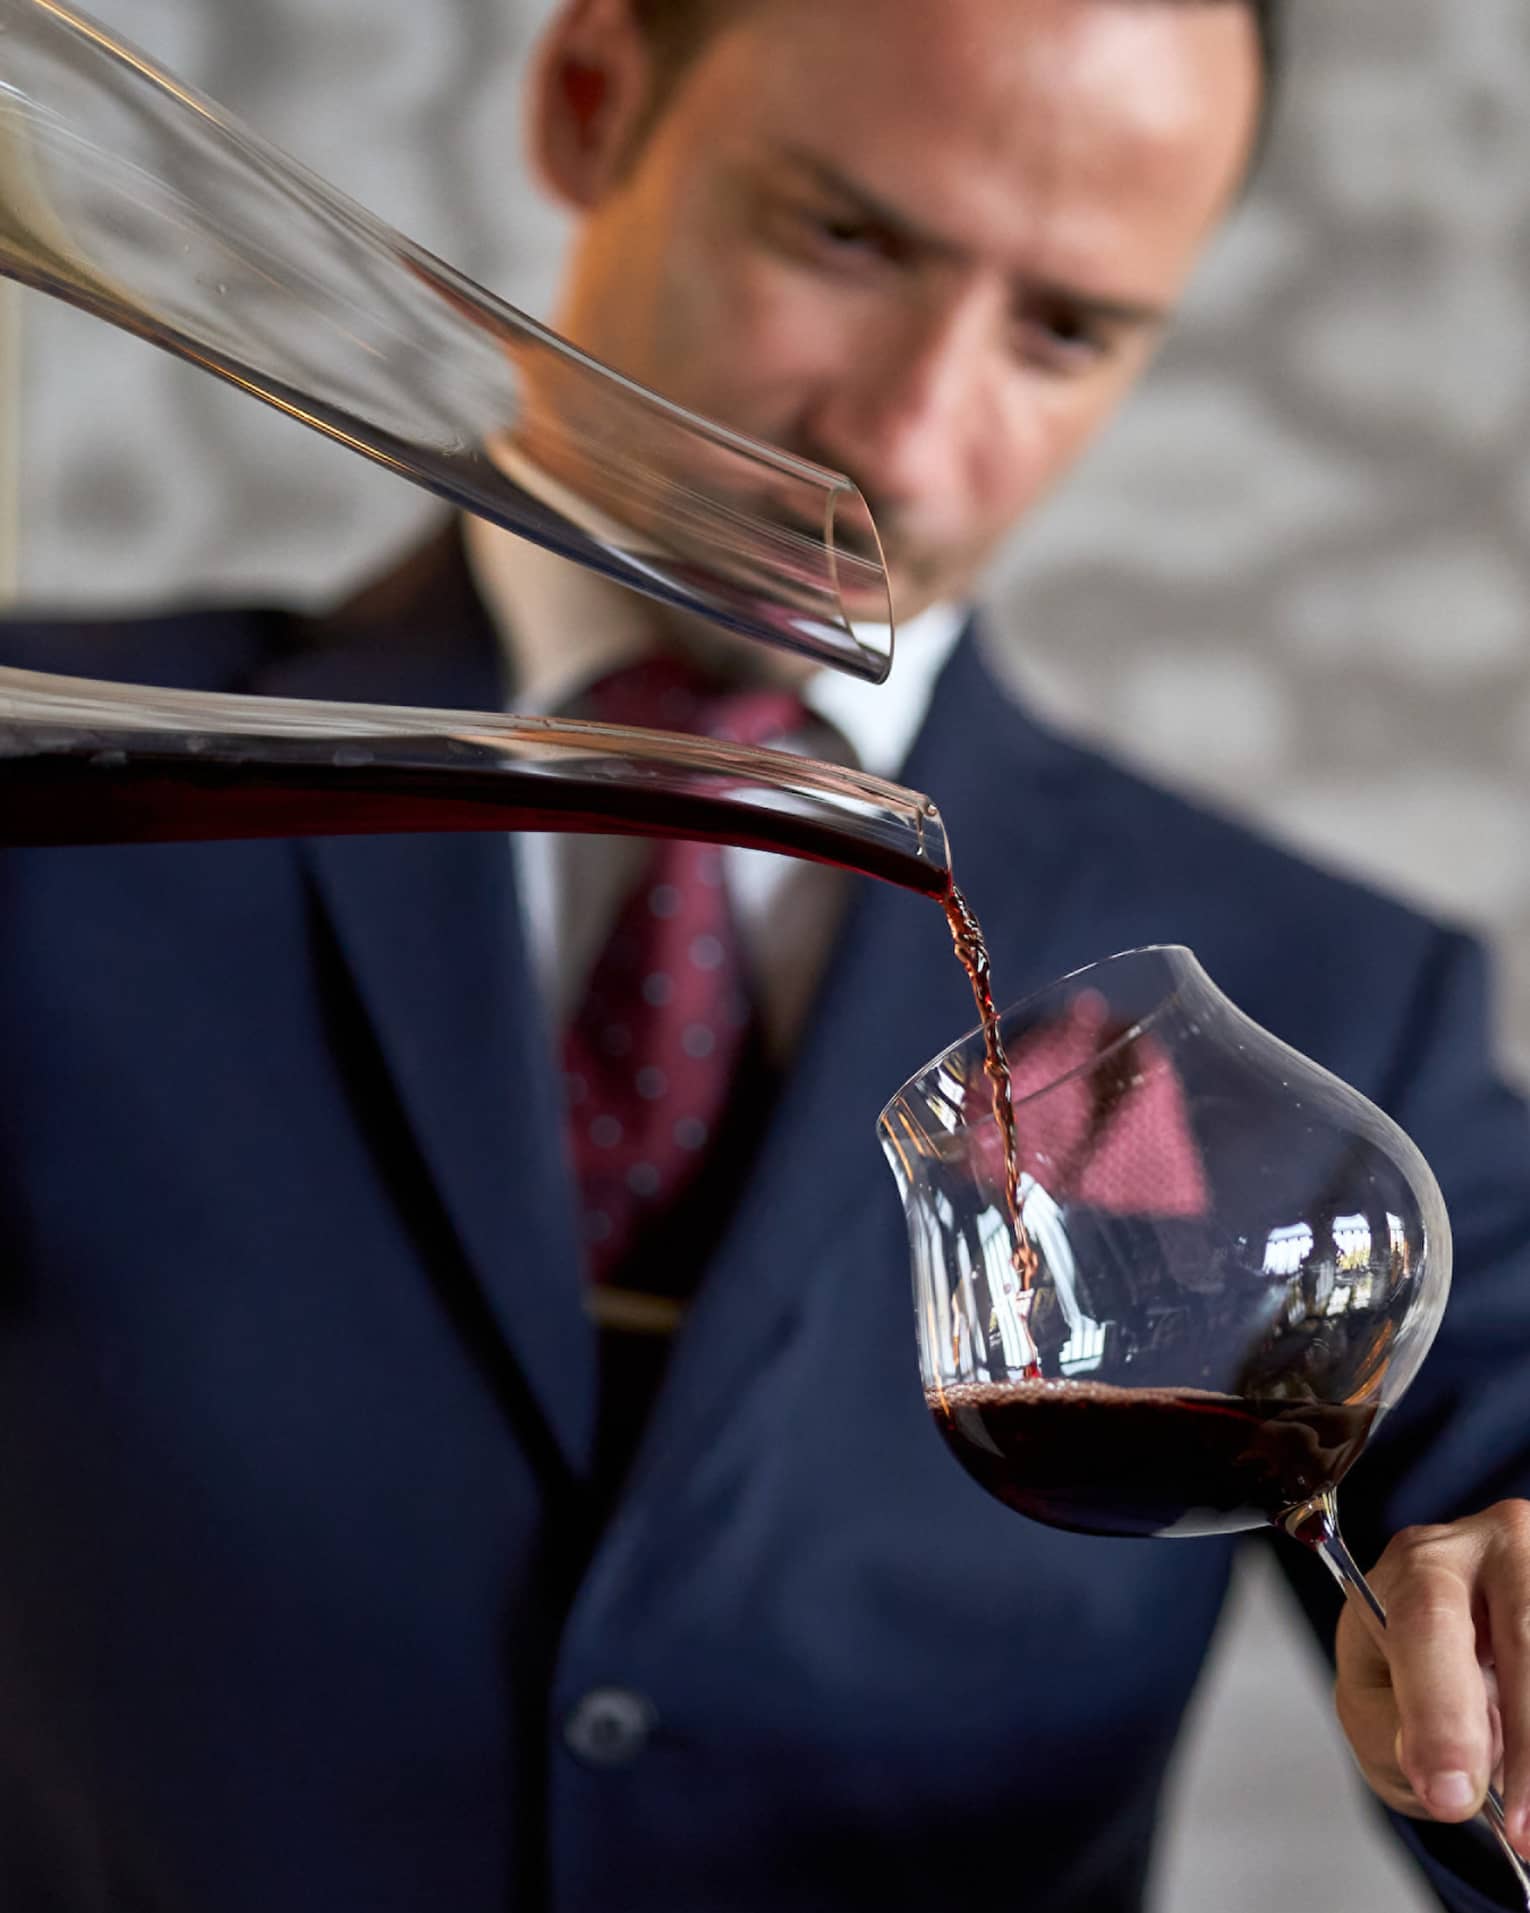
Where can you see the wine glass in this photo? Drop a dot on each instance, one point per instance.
(1216, 1269)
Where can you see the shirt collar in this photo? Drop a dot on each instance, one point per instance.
(561, 627)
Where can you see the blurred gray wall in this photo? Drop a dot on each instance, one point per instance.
(1294, 577)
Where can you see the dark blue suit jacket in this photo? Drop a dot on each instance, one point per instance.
(301, 1594)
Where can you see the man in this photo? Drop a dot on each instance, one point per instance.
(360, 1551)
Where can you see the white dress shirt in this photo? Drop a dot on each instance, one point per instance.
(564, 627)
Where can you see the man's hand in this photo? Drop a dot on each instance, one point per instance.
(1440, 1703)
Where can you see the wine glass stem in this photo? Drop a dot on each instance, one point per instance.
(1315, 1524)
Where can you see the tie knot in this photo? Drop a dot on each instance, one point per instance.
(753, 717)
(666, 694)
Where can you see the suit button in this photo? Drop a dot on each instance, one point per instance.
(610, 1726)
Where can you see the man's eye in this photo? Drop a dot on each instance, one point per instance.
(849, 234)
(843, 236)
(1061, 340)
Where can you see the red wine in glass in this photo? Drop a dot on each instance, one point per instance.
(1147, 1461)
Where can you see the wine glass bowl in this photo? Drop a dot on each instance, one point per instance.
(1232, 1263)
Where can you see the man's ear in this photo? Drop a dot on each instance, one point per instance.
(589, 92)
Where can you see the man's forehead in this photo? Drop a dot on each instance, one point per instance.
(975, 117)
(987, 71)
(992, 25)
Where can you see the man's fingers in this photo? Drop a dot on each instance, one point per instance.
(1439, 1701)
(1368, 1716)
(1508, 1615)
(1444, 1736)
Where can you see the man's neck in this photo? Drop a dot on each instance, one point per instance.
(562, 627)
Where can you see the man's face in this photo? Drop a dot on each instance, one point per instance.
(930, 245)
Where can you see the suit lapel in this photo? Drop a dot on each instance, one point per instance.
(429, 930)
(1018, 821)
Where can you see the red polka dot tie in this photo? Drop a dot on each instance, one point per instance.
(664, 1046)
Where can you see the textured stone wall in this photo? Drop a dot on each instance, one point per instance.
(1294, 576)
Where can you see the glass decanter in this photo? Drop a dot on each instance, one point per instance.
(127, 194)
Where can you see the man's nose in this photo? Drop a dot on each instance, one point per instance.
(904, 415)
